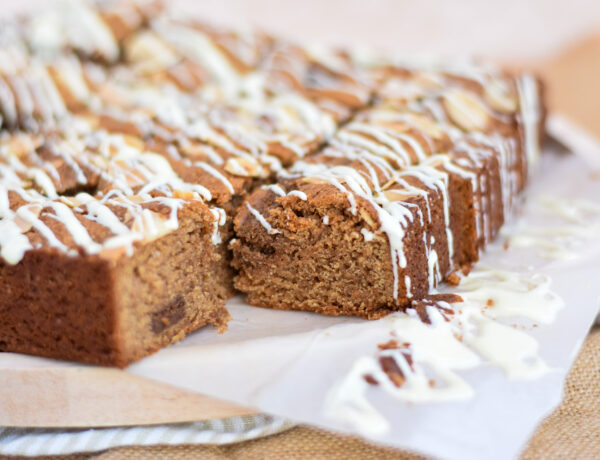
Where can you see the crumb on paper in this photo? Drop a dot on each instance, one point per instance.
(389, 345)
(453, 279)
(370, 379)
(392, 370)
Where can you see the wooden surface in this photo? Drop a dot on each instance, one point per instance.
(573, 80)
(100, 397)
(89, 396)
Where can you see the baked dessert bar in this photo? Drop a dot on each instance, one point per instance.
(96, 31)
(119, 183)
(107, 254)
(38, 56)
(146, 161)
(406, 194)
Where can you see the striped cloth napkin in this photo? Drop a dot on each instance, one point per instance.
(61, 441)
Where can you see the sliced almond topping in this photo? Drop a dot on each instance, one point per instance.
(466, 110)
(70, 201)
(134, 142)
(396, 195)
(499, 97)
(314, 180)
(152, 225)
(134, 198)
(22, 145)
(428, 80)
(367, 218)
(24, 225)
(149, 52)
(243, 167)
(426, 125)
(193, 150)
(184, 195)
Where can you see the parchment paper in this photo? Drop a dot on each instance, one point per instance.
(286, 363)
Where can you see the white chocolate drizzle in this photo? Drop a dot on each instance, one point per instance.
(261, 220)
(429, 358)
(530, 113)
(123, 166)
(578, 220)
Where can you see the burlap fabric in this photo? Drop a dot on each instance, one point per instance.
(571, 432)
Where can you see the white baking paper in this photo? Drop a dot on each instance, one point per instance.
(288, 363)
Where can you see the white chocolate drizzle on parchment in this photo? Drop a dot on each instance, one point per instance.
(427, 359)
(572, 222)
